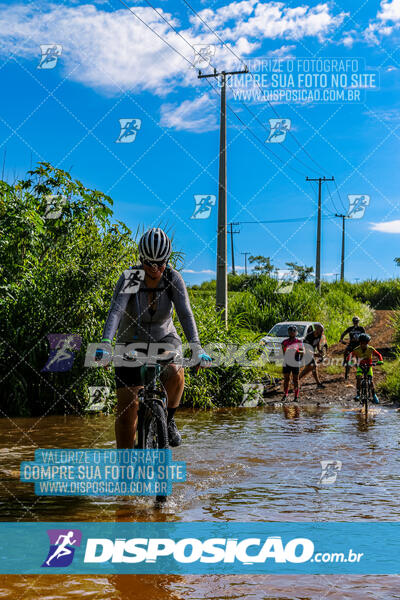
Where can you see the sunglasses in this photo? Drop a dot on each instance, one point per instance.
(154, 264)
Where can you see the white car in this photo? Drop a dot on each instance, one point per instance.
(272, 341)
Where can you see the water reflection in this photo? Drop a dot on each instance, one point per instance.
(242, 465)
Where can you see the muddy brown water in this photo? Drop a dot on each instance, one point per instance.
(242, 465)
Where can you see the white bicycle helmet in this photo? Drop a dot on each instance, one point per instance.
(155, 246)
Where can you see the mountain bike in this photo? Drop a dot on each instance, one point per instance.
(152, 427)
(366, 389)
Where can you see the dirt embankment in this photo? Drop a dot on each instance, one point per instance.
(337, 390)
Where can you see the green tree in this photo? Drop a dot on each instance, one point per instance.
(302, 273)
(263, 264)
(56, 276)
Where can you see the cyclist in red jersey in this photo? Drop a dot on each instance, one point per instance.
(293, 350)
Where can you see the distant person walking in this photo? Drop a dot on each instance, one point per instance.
(315, 342)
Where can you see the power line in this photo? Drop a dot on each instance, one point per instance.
(295, 220)
(258, 138)
(340, 198)
(216, 91)
(330, 195)
(258, 85)
(192, 64)
(318, 254)
(157, 34)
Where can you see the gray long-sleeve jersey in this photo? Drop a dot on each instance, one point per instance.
(129, 313)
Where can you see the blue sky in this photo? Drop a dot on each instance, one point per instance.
(111, 67)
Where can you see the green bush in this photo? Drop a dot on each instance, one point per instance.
(57, 276)
(391, 385)
(218, 386)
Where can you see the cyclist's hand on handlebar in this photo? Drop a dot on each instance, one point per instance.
(204, 360)
(379, 362)
(103, 353)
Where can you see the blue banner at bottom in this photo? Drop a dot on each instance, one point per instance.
(200, 548)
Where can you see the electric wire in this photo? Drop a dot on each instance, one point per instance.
(258, 85)
(216, 91)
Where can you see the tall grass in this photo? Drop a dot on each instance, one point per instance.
(259, 307)
(391, 385)
(379, 294)
(251, 314)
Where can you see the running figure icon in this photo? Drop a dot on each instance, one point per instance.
(279, 129)
(62, 348)
(62, 549)
(203, 206)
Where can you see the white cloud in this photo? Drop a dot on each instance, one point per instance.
(391, 115)
(196, 115)
(113, 52)
(282, 52)
(271, 20)
(107, 50)
(386, 21)
(387, 227)
(390, 11)
(112, 49)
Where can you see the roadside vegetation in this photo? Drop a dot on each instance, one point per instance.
(57, 275)
(378, 294)
(390, 387)
(254, 307)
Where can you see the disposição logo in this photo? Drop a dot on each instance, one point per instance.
(62, 547)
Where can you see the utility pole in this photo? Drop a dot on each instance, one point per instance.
(318, 256)
(222, 276)
(232, 248)
(343, 217)
(245, 261)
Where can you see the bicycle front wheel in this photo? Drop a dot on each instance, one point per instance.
(364, 396)
(157, 434)
(157, 431)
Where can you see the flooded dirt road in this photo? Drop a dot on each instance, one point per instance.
(242, 465)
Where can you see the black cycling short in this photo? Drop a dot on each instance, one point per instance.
(289, 369)
(130, 376)
(127, 377)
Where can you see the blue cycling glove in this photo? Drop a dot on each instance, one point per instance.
(102, 353)
(204, 358)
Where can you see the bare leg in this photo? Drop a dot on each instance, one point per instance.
(286, 381)
(306, 371)
(296, 384)
(315, 374)
(174, 382)
(126, 416)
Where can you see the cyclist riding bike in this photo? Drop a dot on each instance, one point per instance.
(354, 333)
(145, 316)
(293, 351)
(363, 355)
(315, 340)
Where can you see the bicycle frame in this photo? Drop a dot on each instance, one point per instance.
(366, 387)
(148, 396)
